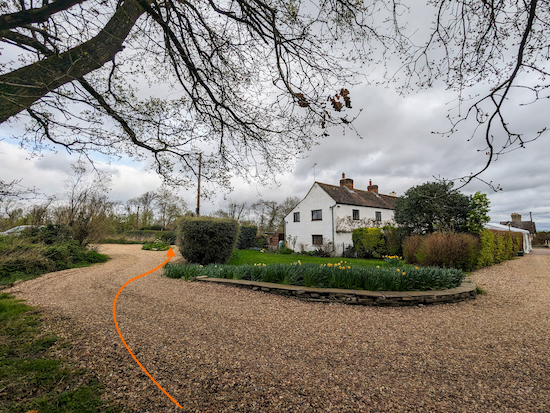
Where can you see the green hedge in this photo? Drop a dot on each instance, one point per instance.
(464, 251)
(369, 242)
(247, 237)
(206, 240)
(142, 236)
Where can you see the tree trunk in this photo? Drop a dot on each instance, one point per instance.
(23, 87)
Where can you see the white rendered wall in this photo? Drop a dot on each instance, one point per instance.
(317, 198)
(343, 239)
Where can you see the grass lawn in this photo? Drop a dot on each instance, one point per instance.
(252, 257)
(30, 378)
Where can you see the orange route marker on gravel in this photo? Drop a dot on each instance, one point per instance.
(170, 254)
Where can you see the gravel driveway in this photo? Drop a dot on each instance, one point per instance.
(216, 348)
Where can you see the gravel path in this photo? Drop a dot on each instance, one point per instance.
(216, 348)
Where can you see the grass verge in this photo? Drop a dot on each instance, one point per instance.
(252, 257)
(31, 378)
(25, 258)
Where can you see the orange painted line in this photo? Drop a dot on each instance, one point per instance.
(169, 255)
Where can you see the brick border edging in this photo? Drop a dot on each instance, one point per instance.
(466, 291)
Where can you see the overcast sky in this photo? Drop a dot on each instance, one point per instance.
(396, 149)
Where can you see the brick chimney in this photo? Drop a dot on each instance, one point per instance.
(346, 182)
(516, 217)
(372, 188)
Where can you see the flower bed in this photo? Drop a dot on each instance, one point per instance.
(330, 275)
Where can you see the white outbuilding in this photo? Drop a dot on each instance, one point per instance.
(526, 236)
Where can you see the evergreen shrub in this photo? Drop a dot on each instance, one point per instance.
(485, 255)
(207, 240)
(463, 251)
(369, 242)
(247, 237)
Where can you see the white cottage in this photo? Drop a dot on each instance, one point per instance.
(329, 214)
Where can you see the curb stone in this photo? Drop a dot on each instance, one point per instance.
(466, 291)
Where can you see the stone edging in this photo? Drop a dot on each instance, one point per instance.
(466, 291)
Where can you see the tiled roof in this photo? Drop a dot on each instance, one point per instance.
(528, 225)
(344, 195)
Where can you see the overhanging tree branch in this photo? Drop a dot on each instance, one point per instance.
(23, 87)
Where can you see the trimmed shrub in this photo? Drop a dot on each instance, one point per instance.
(247, 237)
(410, 247)
(464, 251)
(485, 256)
(368, 242)
(448, 250)
(207, 240)
(394, 240)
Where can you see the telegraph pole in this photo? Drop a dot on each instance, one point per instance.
(199, 187)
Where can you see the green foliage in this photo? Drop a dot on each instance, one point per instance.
(448, 250)
(464, 251)
(285, 251)
(393, 260)
(247, 237)
(434, 206)
(541, 237)
(157, 245)
(254, 257)
(329, 275)
(394, 237)
(368, 242)
(479, 213)
(485, 256)
(31, 378)
(261, 241)
(206, 240)
(26, 256)
(142, 236)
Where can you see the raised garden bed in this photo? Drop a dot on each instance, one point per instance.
(466, 291)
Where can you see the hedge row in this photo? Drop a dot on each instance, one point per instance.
(206, 240)
(464, 251)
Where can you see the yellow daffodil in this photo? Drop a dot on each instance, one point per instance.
(416, 268)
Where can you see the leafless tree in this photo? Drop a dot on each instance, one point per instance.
(254, 79)
(85, 212)
(251, 78)
(494, 54)
(14, 189)
(169, 208)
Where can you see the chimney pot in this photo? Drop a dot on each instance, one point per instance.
(343, 175)
(347, 182)
(372, 188)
